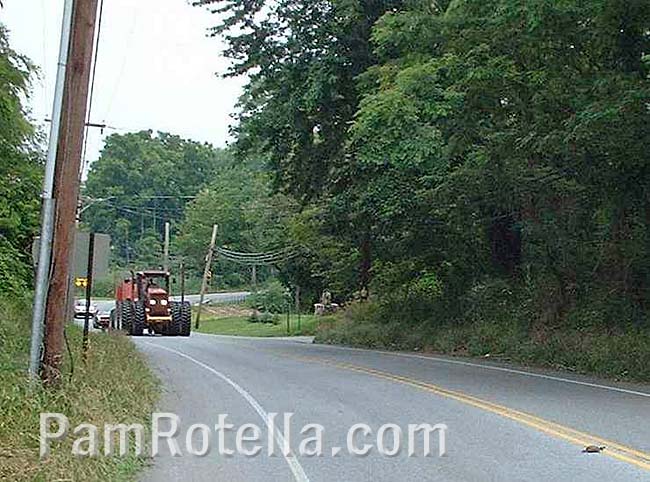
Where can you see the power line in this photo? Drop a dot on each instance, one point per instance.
(44, 66)
(253, 255)
(256, 262)
(159, 209)
(121, 71)
(257, 259)
(139, 196)
(84, 162)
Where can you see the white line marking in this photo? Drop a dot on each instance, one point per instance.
(451, 362)
(305, 340)
(298, 472)
(495, 368)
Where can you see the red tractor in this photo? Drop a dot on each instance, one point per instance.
(142, 302)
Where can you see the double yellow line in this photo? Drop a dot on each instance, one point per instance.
(581, 439)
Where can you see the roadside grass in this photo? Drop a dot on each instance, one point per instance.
(622, 354)
(241, 326)
(116, 386)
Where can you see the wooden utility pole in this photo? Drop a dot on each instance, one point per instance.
(89, 294)
(206, 274)
(66, 181)
(166, 248)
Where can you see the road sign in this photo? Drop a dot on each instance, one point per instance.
(81, 282)
(80, 256)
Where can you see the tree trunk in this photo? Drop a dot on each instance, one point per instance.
(365, 249)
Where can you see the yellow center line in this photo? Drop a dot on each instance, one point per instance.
(582, 439)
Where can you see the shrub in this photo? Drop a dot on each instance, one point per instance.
(507, 334)
(273, 299)
(14, 269)
(264, 317)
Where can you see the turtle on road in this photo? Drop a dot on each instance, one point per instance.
(593, 449)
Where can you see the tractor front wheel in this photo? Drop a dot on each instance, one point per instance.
(139, 320)
(186, 318)
(177, 325)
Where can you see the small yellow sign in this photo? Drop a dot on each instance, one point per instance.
(81, 282)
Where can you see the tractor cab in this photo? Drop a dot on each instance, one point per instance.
(154, 292)
(146, 280)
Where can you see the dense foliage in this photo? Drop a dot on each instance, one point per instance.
(461, 159)
(20, 171)
(141, 181)
(250, 216)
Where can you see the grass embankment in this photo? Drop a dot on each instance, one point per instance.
(235, 321)
(114, 387)
(621, 354)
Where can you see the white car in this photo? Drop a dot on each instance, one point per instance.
(102, 320)
(80, 309)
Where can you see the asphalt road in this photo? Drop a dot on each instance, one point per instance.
(503, 424)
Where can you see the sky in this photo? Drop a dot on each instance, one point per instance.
(156, 68)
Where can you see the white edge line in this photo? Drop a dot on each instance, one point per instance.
(453, 362)
(298, 472)
(495, 368)
(441, 360)
(305, 340)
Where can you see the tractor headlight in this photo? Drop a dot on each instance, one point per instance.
(152, 302)
(164, 302)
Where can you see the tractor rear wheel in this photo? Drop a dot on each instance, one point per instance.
(139, 320)
(186, 318)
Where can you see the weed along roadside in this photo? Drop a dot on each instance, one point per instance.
(614, 354)
(621, 355)
(116, 386)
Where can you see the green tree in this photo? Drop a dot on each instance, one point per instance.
(20, 170)
(519, 128)
(457, 141)
(302, 59)
(250, 217)
(143, 180)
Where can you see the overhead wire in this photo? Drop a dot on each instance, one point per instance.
(84, 164)
(257, 259)
(46, 107)
(120, 74)
(261, 263)
(252, 255)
